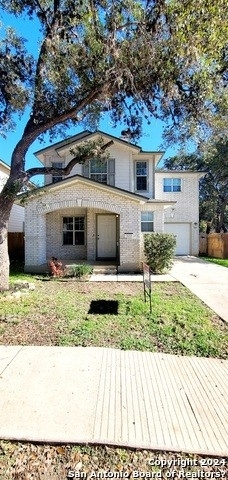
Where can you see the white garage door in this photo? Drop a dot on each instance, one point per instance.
(182, 233)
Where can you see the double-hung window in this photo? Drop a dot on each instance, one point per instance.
(171, 185)
(102, 171)
(147, 221)
(74, 230)
(98, 171)
(141, 175)
(56, 177)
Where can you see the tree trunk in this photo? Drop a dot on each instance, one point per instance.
(7, 197)
(5, 208)
(220, 220)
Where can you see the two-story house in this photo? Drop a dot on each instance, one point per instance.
(101, 211)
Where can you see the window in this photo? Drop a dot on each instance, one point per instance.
(171, 185)
(141, 175)
(147, 221)
(98, 171)
(55, 177)
(73, 230)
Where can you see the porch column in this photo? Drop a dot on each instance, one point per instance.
(35, 239)
(130, 226)
(159, 220)
(91, 234)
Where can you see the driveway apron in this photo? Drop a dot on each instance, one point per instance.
(206, 280)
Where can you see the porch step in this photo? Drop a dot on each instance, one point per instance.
(104, 270)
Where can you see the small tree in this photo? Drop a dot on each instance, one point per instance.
(159, 250)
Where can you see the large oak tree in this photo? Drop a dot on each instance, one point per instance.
(129, 58)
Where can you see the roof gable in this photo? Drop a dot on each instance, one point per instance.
(65, 145)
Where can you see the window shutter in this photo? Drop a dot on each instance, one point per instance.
(85, 169)
(111, 171)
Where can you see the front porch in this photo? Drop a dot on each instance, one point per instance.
(84, 223)
(99, 267)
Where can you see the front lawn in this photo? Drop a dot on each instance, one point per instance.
(72, 313)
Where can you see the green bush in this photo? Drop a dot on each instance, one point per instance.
(79, 271)
(159, 251)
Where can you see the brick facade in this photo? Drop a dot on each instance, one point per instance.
(177, 212)
(44, 225)
(186, 208)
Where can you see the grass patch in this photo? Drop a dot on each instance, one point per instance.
(79, 271)
(17, 272)
(219, 261)
(61, 315)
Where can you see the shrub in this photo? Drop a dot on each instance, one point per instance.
(159, 251)
(79, 271)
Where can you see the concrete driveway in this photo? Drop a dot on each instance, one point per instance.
(206, 280)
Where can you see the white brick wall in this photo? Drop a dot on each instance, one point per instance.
(55, 247)
(43, 236)
(186, 209)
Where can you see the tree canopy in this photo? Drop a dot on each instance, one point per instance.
(129, 58)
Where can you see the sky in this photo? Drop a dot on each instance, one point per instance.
(151, 138)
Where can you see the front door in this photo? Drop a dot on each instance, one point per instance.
(106, 236)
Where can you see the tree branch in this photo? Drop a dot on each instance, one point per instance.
(42, 12)
(41, 127)
(33, 130)
(80, 158)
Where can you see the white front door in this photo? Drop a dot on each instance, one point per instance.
(106, 236)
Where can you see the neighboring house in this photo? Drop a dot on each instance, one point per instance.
(101, 211)
(17, 215)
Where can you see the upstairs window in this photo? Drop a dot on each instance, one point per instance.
(141, 173)
(147, 222)
(98, 171)
(171, 185)
(55, 177)
(73, 230)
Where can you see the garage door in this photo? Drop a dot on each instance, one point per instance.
(182, 233)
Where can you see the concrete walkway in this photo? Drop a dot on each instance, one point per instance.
(206, 280)
(106, 396)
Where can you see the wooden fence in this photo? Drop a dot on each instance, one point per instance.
(214, 245)
(16, 245)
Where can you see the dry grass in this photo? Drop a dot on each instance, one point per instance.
(26, 461)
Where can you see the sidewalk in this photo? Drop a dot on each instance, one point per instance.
(107, 396)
